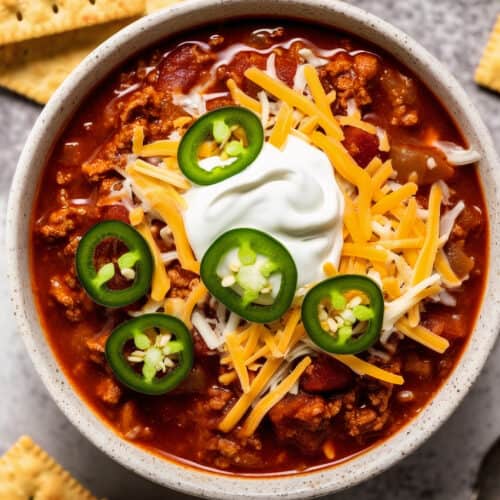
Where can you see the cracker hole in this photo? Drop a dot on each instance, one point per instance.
(92, 2)
(55, 8)
(19, 16)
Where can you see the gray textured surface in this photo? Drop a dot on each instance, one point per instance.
(444, 468)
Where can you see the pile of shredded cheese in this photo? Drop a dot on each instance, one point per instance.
(388, 236)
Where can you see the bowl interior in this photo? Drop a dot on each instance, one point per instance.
(56, 114)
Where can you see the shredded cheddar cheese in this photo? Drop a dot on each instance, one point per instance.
(361, 367)
(239, 97)
(282, 126)
(388, 237)
(161, 283)
(197, 295)
(293, 99)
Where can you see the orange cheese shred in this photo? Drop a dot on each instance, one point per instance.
(294, 99)
(161, 282)
(197, 295)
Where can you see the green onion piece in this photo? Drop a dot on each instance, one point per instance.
(344, 333)
(104, 274)
(149, 372)
(268, 268)
(363, 313)
(246, 254)
(128, 260)
(338, 300)
(221, 131)
(141, 340)
(234, 148)
(173, 347)
(248, 297)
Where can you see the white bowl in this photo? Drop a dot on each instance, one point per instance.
(60, 109)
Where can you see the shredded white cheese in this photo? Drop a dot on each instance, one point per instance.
(457, 155)
(399, 307)
(271, 66)
(312, 58)
(448, 221)
(209, 336)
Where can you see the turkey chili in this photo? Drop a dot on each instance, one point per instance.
(259, 248)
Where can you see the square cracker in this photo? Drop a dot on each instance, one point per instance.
(488, 71)
(26, 471)
(27, 19)
(35, 68)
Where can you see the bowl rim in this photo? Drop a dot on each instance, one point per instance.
(177, 475)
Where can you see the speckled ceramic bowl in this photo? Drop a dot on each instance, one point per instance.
(61, 107)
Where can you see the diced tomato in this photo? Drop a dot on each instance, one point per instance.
(361, 145)
(326, 374)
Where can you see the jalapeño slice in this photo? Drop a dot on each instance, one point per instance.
(161, 346)
(237, 134)
(136, 265)
(251, 273)
(344, 314)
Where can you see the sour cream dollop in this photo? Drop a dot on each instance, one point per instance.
(290, 194)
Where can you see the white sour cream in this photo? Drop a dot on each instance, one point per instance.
(290, 194)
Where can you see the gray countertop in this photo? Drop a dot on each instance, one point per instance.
(443, 468)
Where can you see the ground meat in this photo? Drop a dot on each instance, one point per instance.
(61, 222)
(341, 63)
(367, 404)
(350, 77)
(367, 409)
(66, 292)
(107, 186)
(402, 93)
(108, 390)
(303, 420)
(219, 398)
(70, 249)
(95, 169)
(97, 345)
(146, 107)
(362, 421)
(131, 424)
(151, 109)
(233, 450)
(366, 65)
(63, 178)
(326, 374)
(181, 281)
